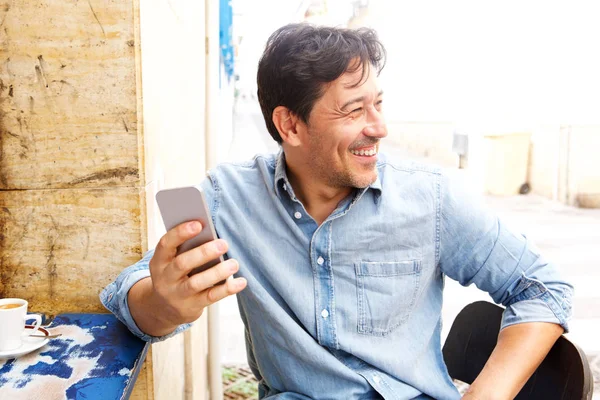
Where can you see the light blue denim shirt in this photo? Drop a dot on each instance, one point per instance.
(351, 309)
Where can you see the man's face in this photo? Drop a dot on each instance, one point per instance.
(343, 132)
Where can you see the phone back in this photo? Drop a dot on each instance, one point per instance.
(185, 204)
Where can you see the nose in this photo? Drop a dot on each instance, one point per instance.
(375, 127)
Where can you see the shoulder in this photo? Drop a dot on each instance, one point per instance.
(231, 182)
(396, 173)
(245, 172)
(257, 161)
(397, 166)
(449, 185)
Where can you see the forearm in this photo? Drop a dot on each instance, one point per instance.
(521, 348)
(145, 309)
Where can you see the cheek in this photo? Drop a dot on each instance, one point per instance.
(334, 139)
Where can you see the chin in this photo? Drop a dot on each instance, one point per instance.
(364, 181)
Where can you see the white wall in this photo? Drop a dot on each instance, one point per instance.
(564, 164)
(173, 98)
(545, 160)
(584, 166)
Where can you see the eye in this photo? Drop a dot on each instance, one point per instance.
(356, 110)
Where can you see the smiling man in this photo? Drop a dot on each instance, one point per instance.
(333, 150)
(339, 254)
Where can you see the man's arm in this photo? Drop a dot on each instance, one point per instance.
(477, 248)
(521, 348)
(170, 297)
(154, 306)
(142, 306)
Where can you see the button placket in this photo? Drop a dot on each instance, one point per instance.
(324, 309)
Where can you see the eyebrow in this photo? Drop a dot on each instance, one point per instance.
(358, 99)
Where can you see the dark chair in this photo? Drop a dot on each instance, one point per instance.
(564, 374)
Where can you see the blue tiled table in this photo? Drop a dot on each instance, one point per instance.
(96, 358)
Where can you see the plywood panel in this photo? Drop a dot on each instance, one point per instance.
(68, 109)
(169, 368)
(59, 248)
(197, 386)
(144, 385)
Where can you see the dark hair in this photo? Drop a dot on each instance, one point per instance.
(300, 59)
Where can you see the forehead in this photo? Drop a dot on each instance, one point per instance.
(351, 84)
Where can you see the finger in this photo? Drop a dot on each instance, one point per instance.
(205, 279)
(184, 263)
(166, 249)
(219, 292)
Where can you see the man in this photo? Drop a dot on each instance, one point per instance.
(342, 253)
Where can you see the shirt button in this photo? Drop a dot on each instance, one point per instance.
(320, 260)
(324, 313)
(376, 379)
(297, 215)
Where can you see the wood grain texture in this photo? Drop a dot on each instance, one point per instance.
(59, 248)
(68, 101)
(169, 369)
(144, 385)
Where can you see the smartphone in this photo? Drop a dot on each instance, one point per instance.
(185, 204)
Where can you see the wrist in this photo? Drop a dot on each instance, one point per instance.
(473, 393)
(149, 310)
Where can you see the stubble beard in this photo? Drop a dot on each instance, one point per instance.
(338, 178)
(344, 178)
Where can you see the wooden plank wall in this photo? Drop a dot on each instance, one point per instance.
(72, 197)
(68, 100)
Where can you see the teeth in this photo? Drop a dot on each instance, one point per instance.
(362, 152)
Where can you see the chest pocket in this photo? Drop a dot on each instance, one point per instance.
(386, 294)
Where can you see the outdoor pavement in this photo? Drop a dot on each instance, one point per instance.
(567, 236)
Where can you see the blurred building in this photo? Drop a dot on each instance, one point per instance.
(527, 98)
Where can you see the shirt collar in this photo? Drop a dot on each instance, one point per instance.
(281, 181)
(376, 186)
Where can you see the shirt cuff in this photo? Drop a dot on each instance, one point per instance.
(533, 310)
(115, 298)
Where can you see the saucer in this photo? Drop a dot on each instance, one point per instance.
(28, 344)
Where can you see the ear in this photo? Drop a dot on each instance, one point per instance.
(288, 125)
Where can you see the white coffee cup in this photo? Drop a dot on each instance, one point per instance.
(13, 314)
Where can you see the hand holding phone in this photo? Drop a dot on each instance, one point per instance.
(187, 204)
(186, 268)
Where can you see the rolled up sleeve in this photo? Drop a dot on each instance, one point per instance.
(114, 298)
(476, 247)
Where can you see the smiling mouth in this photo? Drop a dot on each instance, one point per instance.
(366, 151)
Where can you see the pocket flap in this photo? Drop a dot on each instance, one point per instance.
(393, 268)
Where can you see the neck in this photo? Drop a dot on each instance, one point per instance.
(319, 199)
